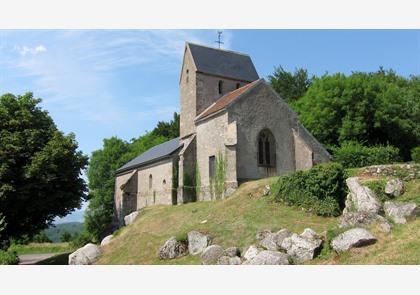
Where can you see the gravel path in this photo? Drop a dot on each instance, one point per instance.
(26, 259)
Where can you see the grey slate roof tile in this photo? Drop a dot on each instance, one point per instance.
(223, 63)
(153, 154)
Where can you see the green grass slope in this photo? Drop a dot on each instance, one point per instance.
(231, 222)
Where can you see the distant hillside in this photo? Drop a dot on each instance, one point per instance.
(54, 232)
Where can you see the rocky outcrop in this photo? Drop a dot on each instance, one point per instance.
(106, 240)
(251, 252)
(406, 172)
(172, 249)
(129, 219)
(394, 187)
(233, 251)
(303, 247)
(212, 254)
(226, 260)
(197, 242)
(401, 212)
(88, 254)
(356, 237)
(268, 257)
(364, 219)
(272, 241)
(360, 198)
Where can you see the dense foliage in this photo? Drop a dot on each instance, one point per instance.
(354, 154)
(321, 190)
(8, 257)
(415, 154)
(290, 86)
(104, 162)
(372, 108)
(40, 168)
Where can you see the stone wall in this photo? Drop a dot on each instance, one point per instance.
(256, 110)
(120, 185)
(211, 136)
(161, 190)
(404, 171)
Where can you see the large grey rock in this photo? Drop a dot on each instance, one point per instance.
(356, 237)
(401, 212)
(394, 187)
(303, 247)
(106, 240)
(172, 249)
(197, 242)
(272, 241)
(360, 198)
(212, 254)
(268, 257)
(129, 219)
(88, 254)
(364, 219)
(251, 252)
(226, 260)
(233, 251)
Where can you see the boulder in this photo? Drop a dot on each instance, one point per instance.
(88, 254)
(212, 254)
(106, 240)
(251, 252)
(356, 237)
(172, 249)
(233, 251)
(394, 187)
(401, 212)
(267, 190)
(261, 235)
(269, 242)
(268, 257)
(280, 236)
(363, 219)
(226, 260)
(197, 242)
(360, 198)
(129, 219)
(303, 247)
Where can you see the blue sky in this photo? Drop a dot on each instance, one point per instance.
(99, 83)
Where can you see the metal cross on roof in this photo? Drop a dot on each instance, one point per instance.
(219, 37)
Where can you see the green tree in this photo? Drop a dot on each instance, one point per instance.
(290, 86)
(371, 108)
(101, 174)
(40, 168)
(65, 237)
(168, 129)
(41, 238)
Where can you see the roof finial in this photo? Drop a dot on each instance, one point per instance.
(219, 37)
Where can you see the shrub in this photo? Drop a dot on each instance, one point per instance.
(81, 239)
(321, 190)
(8, 257)
(354, 154)
(415, 154)
(378, 187)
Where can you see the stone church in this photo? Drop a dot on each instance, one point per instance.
(233, 127)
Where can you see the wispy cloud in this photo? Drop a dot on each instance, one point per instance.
(24, 50)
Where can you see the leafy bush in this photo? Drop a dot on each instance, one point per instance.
(81, 239)
(8, 257)
(415, 154)
(354, 154)
(320, 190)
(378, 187)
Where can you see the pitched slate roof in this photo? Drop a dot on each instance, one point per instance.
(226, 100)
(223, 63)
(153, 154)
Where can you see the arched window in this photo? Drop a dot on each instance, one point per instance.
(238, 85)
(266, 149)
(187, 75)
(150, 181)
(164, 182)
(220, 86)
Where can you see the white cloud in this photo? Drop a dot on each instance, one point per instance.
(24, 50)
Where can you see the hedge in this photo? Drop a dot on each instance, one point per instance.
(321, 190)
(354, 154)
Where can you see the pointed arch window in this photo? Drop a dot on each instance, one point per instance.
(150, 181)
(266, 149)
(220, 87)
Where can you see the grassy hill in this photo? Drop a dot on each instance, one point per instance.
(236, 220)
(54, 232)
